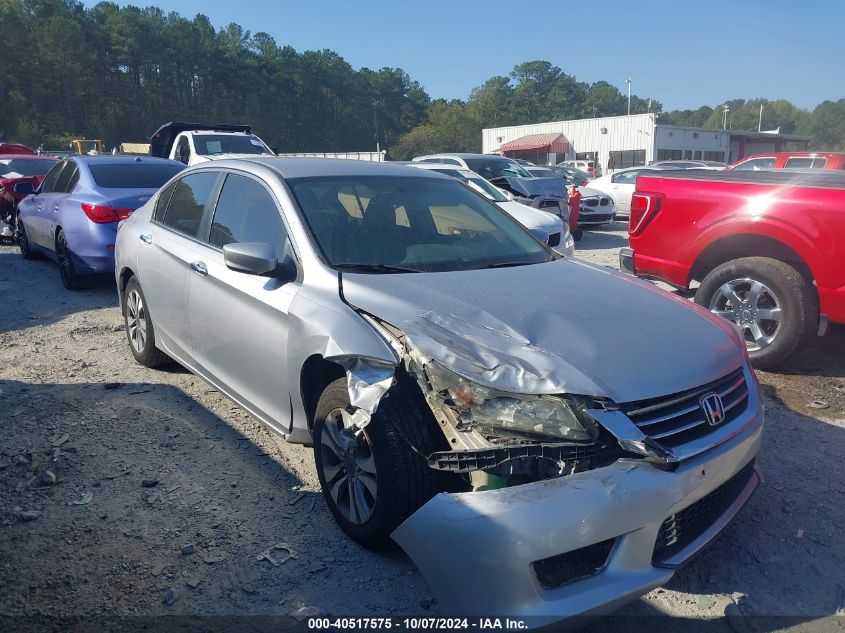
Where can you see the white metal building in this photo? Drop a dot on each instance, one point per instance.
(614, 142)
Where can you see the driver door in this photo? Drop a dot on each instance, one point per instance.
(238, 321)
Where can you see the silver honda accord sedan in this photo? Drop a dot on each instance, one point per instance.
(541, 435)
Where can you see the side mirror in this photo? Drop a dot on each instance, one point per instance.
(24, 189)
(253, 258)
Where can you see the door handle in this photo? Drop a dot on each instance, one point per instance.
(199, 267)
(145, 238)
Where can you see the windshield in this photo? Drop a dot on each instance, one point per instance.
(409, 224)
(16, 167)
(133, 175)
(492, 192)
(493, 167)
(211, 144)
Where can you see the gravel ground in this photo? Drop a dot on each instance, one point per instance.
(130, 491)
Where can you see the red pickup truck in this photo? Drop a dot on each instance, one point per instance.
(767, 248)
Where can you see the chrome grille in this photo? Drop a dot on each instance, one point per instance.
(605, 201)
(591, 202)
(679, 418)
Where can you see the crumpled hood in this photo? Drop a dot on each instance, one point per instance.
(531, 187)
(587, 192)
(563, 326)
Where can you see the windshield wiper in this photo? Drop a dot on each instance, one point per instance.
(375, 268)
(506, 265)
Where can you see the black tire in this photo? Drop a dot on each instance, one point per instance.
(784, 288)
(27, 252)
(72, 279)
(139, 325)
(404, 482)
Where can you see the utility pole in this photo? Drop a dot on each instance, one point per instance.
(760, 120)
(725, 110)
(628, 81)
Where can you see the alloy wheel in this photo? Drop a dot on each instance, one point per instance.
(348, 468)
(751, 305)
(136, 320)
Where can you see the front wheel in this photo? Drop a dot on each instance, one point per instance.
(769, 300)
(372, 482)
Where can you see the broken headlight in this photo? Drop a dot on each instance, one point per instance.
(554, 416)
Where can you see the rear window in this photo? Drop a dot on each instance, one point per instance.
(25, 166)
(133, 175)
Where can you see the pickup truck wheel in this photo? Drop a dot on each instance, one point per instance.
(372, 482)
(772, 303)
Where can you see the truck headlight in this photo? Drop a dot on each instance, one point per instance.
(564, 418)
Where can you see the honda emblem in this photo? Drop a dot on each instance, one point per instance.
(714, 410)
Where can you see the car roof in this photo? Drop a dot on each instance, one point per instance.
(28, 156)
(326, 167)
(463, 155)
(119, 160)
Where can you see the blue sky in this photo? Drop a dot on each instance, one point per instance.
(686, 53)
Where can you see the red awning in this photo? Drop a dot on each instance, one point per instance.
(553, 143)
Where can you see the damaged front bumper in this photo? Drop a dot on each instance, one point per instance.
(495, 552)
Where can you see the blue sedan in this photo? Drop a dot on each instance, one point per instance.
(73, 216)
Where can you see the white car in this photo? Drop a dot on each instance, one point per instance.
(620, 187)
(543, 224)
(588, 166)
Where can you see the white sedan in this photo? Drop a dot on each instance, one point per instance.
(620, 187)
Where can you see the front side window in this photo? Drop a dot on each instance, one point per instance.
(183, 150)
(188, 202)
(413, 224)
(757, 163)
(246, 212)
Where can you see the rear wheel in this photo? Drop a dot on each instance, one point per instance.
(27, 252)
(769, 300)
(372, 482)
(72, 279)
(139, 327)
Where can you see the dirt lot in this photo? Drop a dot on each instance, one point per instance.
(129, 491)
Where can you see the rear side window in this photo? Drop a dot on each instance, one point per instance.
(187, 204)
(133, 175)
(246, 212)
(163, 199)
(52, 176)
(67, 179)
(799, 161)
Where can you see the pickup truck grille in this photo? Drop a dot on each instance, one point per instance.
(679, 418)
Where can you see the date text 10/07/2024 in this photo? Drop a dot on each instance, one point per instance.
(415, 624)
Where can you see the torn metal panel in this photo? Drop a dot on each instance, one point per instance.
(368, 380)
(477, 549)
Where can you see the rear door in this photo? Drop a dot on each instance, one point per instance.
(35, 210)
(167, 250)
(61, 202)
(239, 322)
(622, 185)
